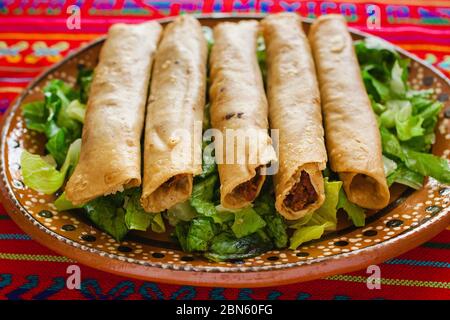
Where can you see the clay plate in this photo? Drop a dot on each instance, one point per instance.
(412, 218)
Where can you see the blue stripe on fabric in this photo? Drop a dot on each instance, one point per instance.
(14, 236)
(417, 263)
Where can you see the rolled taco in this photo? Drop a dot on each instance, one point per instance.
(351, 132)
(173, 136)
(239, 110)
(294, 109)
(110, 158)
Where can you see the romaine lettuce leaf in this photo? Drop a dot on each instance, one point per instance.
(38, 174)
(72, 157)
(135, 216)
(313, 225)
(246, 222)
(76, 111)
(84, 80)
(397, 85)
(276, 229)
(202, 196)
(104, 213)
(59, 117)
(158, 224)
(354, 212)
(62, 204)
(181, 232)
(427, 164)
(35, 114)
(305, 234)
(407, 118)
(223, 215)
(406, 124)
(180, 212)
(389, 166)
(424, 164)
(200, 233)
(406, 177)
(209, 166)
(225, 246)
(326, 214)
(57, 145)
(121, 212)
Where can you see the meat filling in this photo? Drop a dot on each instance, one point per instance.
(248, 189)
(302, 194)
(177, 182)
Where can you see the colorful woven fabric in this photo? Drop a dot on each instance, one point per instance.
(34, 34)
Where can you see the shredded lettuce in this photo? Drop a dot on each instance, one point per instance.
(406, 177)
(247, 221)
(354, 212)
(224, 234)
(76, 110)
(135, 216)
(182, 211)
(407, 118)
(200, 233)
(35, 114)
(202, 196)
(158, 224)
(62, 204)
(59, 117)
(276, 227)
(119, 213)
(225, 246)
(389, 166)
(40, 175)
(326, 214)
(423, 164)
(108, 216)
(305, 234)
(84, 80)
(314, 225)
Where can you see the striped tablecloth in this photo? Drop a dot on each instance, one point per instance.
(34, 34)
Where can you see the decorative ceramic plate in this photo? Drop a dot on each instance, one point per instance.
(411, 218)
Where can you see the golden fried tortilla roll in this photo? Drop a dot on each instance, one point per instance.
(173, 136)
(110, 158)
(294, 109)
(352, 137)
(239, 110)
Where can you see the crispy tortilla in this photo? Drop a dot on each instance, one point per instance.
(239, 108)
(352, 136)
(173, 136)
(294, 109)
(110, 158)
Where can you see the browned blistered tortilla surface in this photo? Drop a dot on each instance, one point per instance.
(238, 103)
(110, 158)
(351, 131)
(294, 109)
(173, 129)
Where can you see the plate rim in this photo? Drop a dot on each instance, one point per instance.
(261, 278)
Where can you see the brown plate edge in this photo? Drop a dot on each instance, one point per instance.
(355, 260)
